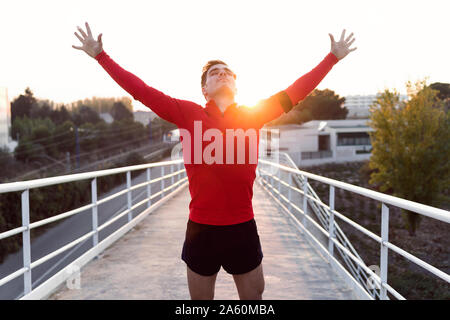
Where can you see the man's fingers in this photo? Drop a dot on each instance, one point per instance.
(88, 29)
(331, 37)
(342, 35)
(349, 37)
(353, 49)
(76, 47)
(79, 38)
(82, 32)
(99, 39)
(350, 43)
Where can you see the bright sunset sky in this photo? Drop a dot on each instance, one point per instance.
(268, 44)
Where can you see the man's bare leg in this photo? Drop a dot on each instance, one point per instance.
(250, 285)
(201, 287)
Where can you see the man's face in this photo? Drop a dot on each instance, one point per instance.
(219, 80)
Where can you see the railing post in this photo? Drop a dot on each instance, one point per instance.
(289, 191)
(149, 188)
(162, 181)
(179, 171)
(94, 211)
(384, 249)
(172, 167)
(331, 235)
(26, 243)
(129, 194)
(305, 202)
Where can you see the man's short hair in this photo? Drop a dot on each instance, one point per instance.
(207, 66)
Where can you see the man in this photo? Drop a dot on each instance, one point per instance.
(221, 229)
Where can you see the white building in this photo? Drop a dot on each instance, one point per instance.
(144, 116)
(317, 142)
(358, 105)
(5, 119)
(107, 117)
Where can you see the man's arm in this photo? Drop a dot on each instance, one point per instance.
(282, 102)
(163, 105)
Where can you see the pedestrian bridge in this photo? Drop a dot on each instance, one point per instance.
(306, 254)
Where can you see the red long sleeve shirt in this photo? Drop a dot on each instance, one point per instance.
(221, 193)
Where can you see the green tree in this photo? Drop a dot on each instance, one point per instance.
(86, 114)
(6, 162)
(410, 147)
(42, 135)
(324, 105)
(102, 105)
(64, 137)
(22, 105)
(319, 105)
(61, 115)
(27, 152)
(443, 88)
(120, 112)
(160, 126)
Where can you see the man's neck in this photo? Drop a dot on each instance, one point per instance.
(223, 102)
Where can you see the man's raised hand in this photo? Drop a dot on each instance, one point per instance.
(341, 49)
(90, 46)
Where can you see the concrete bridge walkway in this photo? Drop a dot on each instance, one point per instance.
(146, 262)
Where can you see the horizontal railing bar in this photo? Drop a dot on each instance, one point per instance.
(154, 195)
(104, 225)
(168, 175)
(115, 195)
(286, 184)
(139, 204)
(173, 185)
(140, 185)
(44, 182)
(107, 223)
(422, 209)
(12, 276)
(393, 291)
(418, 261)
(173, 173)
(60, 250)
(12, 232)
(161, 178)
(132, 188)
(358, 227)
(59, 216)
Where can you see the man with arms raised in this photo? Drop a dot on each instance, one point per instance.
(221, 229)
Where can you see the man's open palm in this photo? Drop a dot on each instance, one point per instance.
(90, 46)
(341, 49)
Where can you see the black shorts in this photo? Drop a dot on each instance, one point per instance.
(235, 247)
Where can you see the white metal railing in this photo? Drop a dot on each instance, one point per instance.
(326, 219)
(361, 273)
(177, 179)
